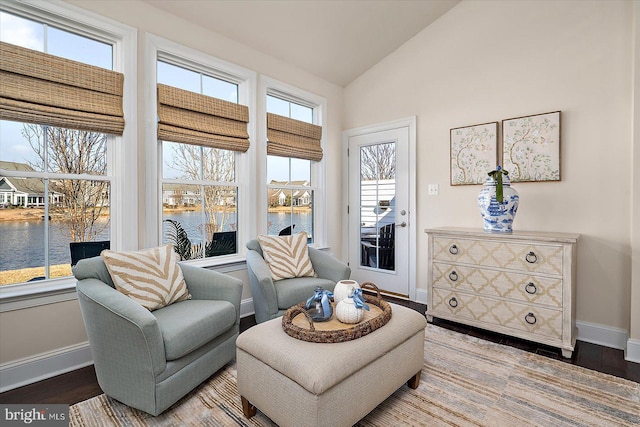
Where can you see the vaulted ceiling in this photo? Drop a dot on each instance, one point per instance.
(335, 40)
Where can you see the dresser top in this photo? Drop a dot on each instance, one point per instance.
(516, 234)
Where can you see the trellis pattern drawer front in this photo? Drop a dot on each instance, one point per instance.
(534, 258)
(523, 317)
(520, 287)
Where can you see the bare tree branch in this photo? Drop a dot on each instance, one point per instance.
(378, 162)
(70, 151)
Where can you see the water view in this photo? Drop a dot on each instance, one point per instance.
(22, 242)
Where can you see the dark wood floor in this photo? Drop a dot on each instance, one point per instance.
(82, 384)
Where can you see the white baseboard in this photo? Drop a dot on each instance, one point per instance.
(246, 307)
(36, 368)
(45, 365)
(607, 336)
(421, 296)
(633, 351)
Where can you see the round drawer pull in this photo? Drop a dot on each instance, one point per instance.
(453, 302)
(453, 250)
(453, 276)
(531, 288)
(531, 257)
(530, 319)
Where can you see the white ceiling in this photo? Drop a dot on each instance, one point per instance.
(336, 40)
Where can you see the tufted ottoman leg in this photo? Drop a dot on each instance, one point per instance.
(414, 382)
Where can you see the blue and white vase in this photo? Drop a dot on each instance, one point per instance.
(498, 218)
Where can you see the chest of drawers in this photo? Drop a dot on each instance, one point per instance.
(520, 284)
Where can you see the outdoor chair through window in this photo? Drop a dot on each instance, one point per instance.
(82, 250)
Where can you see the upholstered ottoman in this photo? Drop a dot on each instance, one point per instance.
(299, 383)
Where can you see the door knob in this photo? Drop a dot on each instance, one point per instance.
(402, 224)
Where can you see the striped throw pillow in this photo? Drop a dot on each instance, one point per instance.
(151, 277)
(287, 256)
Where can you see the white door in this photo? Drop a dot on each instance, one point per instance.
(380, 214)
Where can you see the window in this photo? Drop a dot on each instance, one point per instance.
(290, 195)
(59, 185)
(293, 183)
(201, 189)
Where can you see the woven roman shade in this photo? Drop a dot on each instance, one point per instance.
(293, 138)
(39, 88)
(192, 118)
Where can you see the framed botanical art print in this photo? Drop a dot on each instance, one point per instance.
(474, 153)
(531, 147)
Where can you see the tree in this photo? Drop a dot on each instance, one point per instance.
(70, 151)
(217, 165)
(378, 162)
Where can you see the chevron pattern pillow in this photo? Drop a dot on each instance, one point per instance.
(287, 256)
(151, 277)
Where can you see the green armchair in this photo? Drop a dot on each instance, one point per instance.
(271, 299)
(149, 360)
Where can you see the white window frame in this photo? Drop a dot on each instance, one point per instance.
(273, 87)
(158, 48)
(123, 157)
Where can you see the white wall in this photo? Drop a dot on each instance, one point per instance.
(634, 346)
(491, 60)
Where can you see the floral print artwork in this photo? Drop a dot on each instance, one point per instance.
(531, 147)
(473, 153)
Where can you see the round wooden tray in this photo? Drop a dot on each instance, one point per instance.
(297, 323)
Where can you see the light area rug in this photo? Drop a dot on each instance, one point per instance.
(465, 381)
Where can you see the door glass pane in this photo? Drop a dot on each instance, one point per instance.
(377, 206)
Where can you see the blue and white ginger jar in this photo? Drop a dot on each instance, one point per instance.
(498, 218)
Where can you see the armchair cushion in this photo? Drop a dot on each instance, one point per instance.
(293, 291)
(188, 325)
(287, 256)
(151, 277)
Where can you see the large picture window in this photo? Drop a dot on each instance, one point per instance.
(56, 182)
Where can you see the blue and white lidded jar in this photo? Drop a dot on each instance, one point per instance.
(498, 217)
